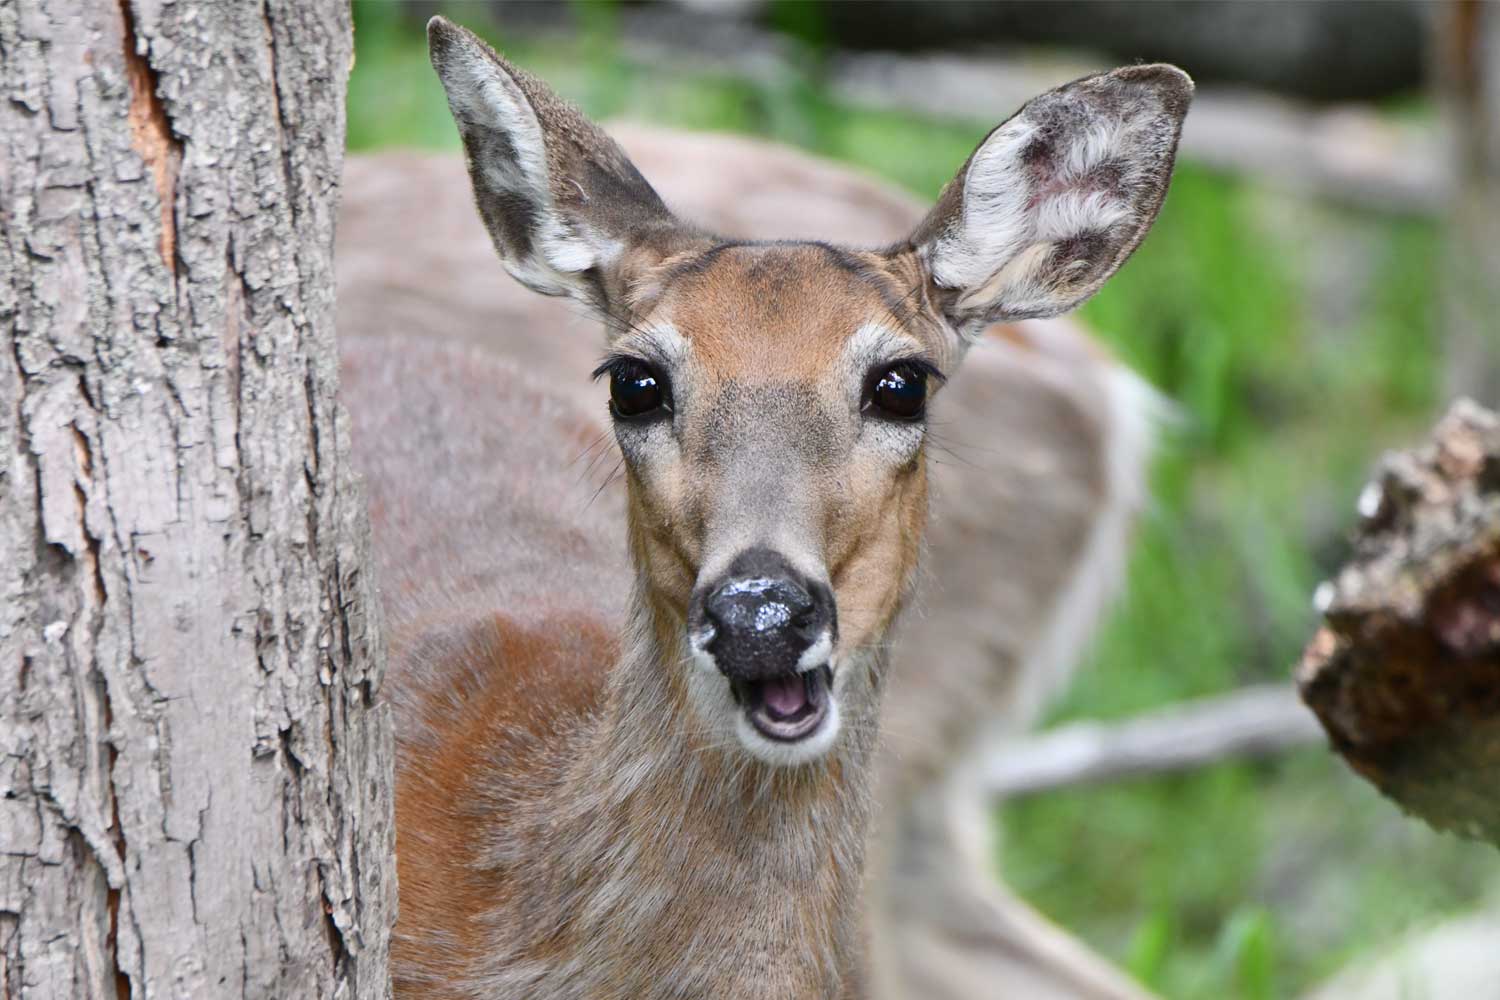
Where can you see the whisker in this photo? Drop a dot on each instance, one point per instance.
(609, 480)
(593, 463)
(598, 440)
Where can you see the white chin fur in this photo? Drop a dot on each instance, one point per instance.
(804, 751)
(703, 660)
(817, 654)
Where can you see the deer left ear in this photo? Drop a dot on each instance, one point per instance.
(1056, 198)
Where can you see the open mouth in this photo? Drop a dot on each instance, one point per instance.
(787, 708)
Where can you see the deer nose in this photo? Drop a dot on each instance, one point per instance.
(764, 617)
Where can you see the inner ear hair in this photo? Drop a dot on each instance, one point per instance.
(1055, 199)
(568, 212)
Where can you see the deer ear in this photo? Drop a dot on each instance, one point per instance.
(1056, 198)
(567, 210)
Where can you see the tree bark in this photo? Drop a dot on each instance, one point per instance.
(195, 777)
(1405, 673)
(1467, 64)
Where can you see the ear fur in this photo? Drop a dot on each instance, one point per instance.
(568, 212)
(1054, 199)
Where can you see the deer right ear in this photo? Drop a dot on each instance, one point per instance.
(1055, 199)
(566, 209)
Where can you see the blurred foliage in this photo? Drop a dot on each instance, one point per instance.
(1297, 342)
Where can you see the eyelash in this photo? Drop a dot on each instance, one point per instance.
(613, 363)
(917, 364)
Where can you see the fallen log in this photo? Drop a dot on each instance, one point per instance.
(1405, 672)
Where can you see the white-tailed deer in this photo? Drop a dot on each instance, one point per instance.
(652, 776)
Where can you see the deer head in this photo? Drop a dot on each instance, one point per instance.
(769, 399)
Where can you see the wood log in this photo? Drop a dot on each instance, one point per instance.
(1405, 672)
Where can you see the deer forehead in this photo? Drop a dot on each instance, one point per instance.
(807, 313)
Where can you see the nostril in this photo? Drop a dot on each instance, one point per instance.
(811, 620)
(820, 616)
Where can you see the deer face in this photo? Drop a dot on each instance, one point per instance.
(770, 399)
(770, 405)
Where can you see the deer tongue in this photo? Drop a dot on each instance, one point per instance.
(784, 697)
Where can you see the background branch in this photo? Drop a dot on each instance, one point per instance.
(1254, 722)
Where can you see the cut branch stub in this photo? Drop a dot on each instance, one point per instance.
(1405, 673)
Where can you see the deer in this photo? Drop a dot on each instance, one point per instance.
(649, 766)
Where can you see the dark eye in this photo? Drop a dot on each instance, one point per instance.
(635, 390)
(898, 392)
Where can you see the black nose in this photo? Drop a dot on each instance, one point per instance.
(764, 615)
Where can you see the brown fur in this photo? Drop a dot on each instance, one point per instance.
(510, 689)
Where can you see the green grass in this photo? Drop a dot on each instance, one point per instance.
(1242, 880)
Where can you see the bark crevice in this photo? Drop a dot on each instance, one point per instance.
(151, 132)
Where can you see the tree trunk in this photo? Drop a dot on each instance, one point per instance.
(1467, 61)
(195, 783)
(1405, 673)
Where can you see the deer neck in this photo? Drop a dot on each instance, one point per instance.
(696, 863)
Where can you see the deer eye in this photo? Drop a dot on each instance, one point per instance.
(898, 391)
(636, 390)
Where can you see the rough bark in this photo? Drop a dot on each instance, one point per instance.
(1405, 673)
(194, 775)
